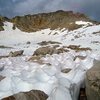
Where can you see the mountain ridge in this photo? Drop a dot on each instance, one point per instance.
(53, 20)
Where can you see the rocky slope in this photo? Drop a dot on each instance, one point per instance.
(2, 19)
(53, 20)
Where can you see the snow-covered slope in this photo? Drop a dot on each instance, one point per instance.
(22, 75)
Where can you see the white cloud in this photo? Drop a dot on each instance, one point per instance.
(28, 6)
(23, 7)
(36, 6)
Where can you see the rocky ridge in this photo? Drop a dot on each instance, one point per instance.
(53, 20)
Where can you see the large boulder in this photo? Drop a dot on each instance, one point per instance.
(44, 51)
(48, 50)
(31, 95)
(93, 82)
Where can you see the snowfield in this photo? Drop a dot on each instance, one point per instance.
(23, 75)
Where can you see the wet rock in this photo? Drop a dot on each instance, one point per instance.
(31, 95)
(93, 82)
(82, 94)
(16, 53)
(66, 70)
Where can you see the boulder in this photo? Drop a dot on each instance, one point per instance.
(66, 70)
(44, 51)
(16, 53)
(31, 95)
(93, 82)
(48, 50)
(28, 42)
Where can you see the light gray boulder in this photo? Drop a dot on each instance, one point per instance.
(93, 82)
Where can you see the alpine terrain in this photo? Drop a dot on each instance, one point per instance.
(49, 56)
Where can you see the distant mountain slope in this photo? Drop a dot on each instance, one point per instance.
(2, 19)
(59, 19)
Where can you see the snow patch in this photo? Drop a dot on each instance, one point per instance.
(83, 23)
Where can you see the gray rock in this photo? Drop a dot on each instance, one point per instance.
(2, 68)
(66, 70)
(48, 50)
(16, 53)
(31, 95)
(1, 77)
(93, 82)
(44, 51)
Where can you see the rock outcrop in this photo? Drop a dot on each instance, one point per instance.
(93, 82)
(1, 77)
(59, 19)
(2, 19)
(16, 53)
(31, 95)
(1, 24)
(49, 50)
(53, 20)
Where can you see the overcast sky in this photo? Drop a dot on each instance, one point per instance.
(11, 8)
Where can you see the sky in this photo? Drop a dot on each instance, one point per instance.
(11, 8)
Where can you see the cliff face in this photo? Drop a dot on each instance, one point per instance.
(53, 20)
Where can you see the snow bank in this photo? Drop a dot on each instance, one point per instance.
(25, 76)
